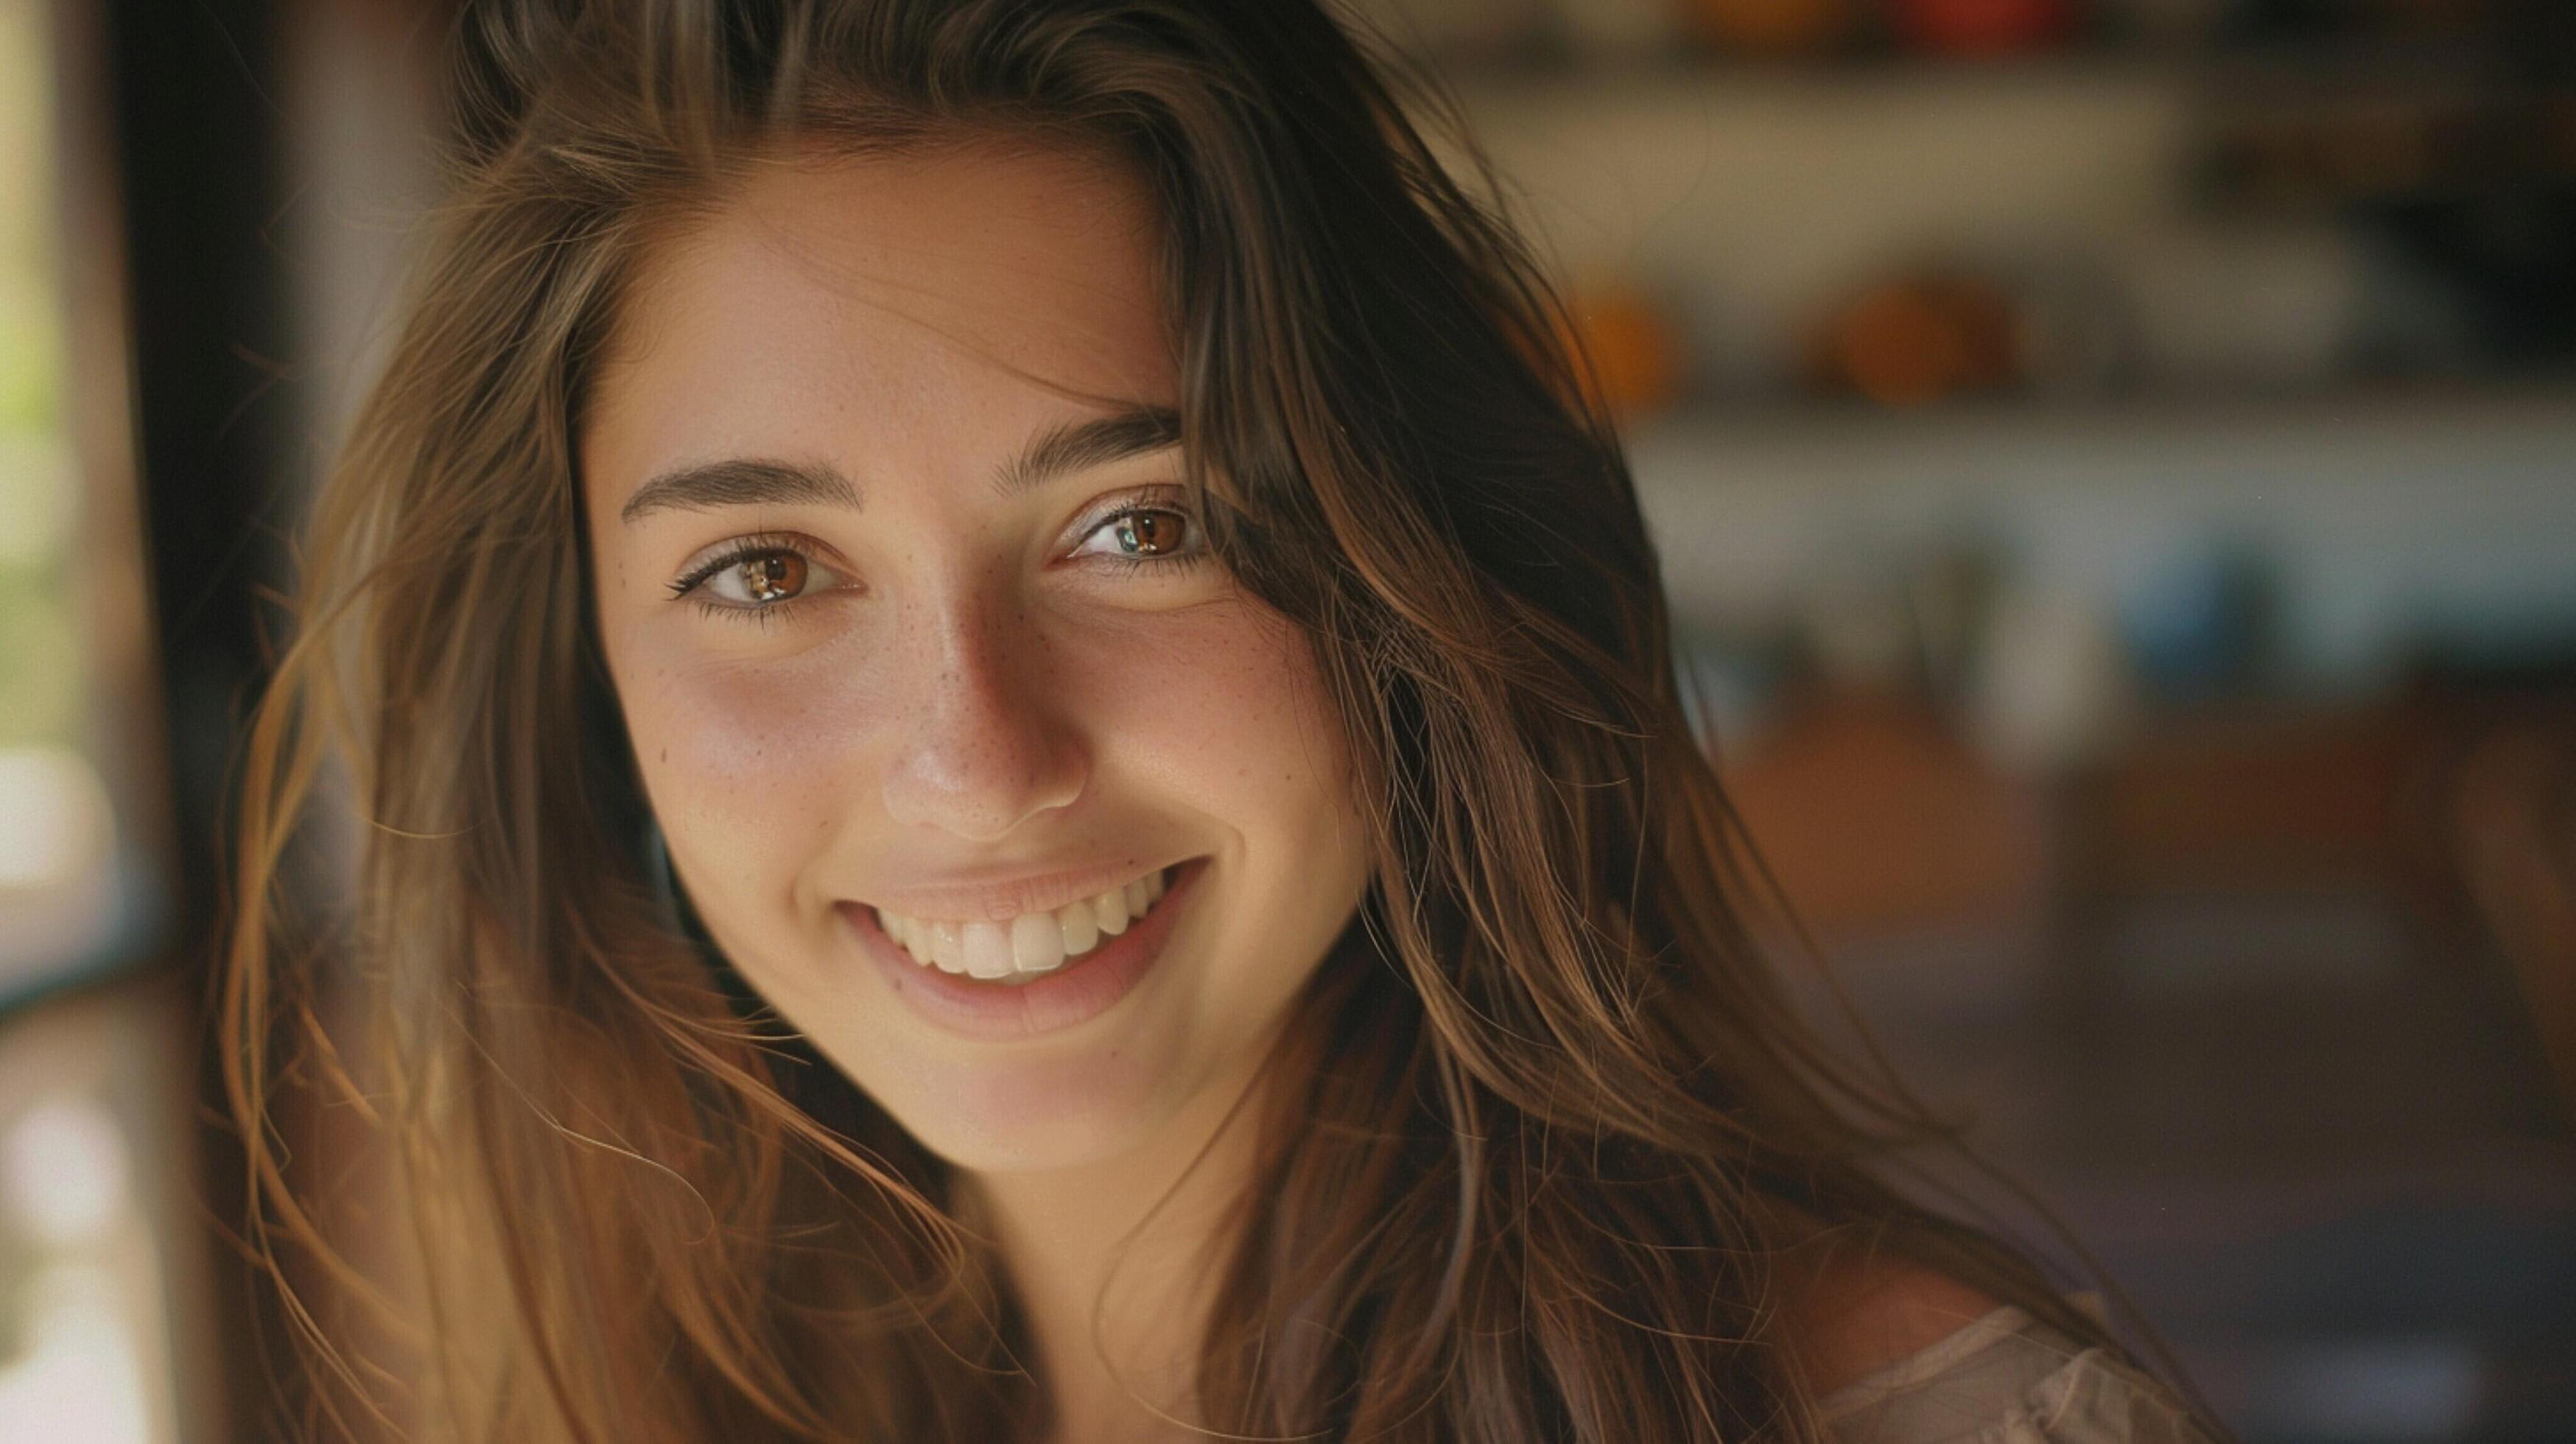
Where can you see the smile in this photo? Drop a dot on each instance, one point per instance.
(1014, 951)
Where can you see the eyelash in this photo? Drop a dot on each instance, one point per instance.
(767, 544)
(743, 549)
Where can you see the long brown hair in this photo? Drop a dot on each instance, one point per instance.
(1546, 1121)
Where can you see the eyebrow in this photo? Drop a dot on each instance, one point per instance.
(1074, 446)
(1059, 450)
(739, 482)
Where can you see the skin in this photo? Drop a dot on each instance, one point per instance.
(968, 683)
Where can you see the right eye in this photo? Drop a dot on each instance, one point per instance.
(758, 575)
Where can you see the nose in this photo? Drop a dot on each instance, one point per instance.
(986, 746)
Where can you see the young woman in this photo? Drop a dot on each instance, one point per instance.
(1021, 780)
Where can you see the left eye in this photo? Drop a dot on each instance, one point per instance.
(1144, 533)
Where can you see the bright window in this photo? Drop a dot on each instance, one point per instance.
(92, 1092)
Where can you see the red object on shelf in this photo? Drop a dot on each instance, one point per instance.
(1983, 27)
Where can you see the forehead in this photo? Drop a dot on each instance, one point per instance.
(893, 291)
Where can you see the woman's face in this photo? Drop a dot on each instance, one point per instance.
(925, 663)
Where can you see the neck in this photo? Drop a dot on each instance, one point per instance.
(1116, 1262)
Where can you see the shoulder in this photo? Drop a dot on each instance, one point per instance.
(1899, 1354)
(1850, 1318)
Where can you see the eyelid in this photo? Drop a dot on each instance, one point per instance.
(1111, 505)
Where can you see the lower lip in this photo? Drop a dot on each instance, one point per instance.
(998, 1012)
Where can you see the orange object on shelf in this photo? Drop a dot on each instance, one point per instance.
(1919, 340)
(1636, 352)
(1774, 27)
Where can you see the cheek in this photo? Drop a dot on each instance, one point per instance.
(1219, 709)
(1227, 722)
(748, 766)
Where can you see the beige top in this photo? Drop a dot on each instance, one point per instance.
(2008, 1379)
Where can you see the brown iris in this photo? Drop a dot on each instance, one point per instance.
(774, 577)
(1151, 533)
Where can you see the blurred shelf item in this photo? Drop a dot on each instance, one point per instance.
(1920, 338)
(1774, 29)
(1936, 330)
(1982, 27)
(2307, 147)
(2463, 157)
(2201, 628)
(1634, 350)
(1754, 202)
(1756, 205)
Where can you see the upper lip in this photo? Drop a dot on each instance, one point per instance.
(999, 899)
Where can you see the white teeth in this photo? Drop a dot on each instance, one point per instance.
(1077, 928)
(988, 950)
(1027, 946)
(1037, 944)
(1111, 907)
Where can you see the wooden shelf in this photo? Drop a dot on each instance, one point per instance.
(2529, 419)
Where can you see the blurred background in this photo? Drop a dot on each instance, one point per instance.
(2114, 463)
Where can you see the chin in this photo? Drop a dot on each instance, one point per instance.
(999, 1121)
